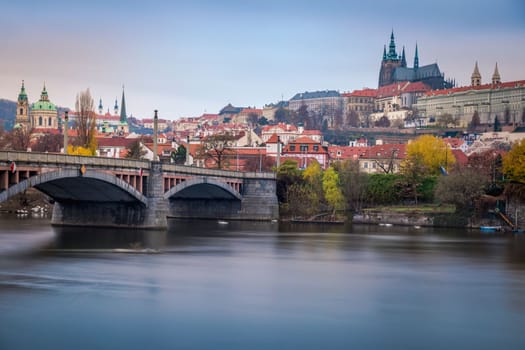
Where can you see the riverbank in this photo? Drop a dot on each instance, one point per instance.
(30, 200)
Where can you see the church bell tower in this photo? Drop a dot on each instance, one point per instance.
(22, 108)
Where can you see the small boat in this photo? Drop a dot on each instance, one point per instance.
(489, 228)
(221, 222)
(388, 225)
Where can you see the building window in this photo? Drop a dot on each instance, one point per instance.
(40, 121)
(49, 122)
(365, 165)
(21, 111)
(292, 148)
(316, 148)
(304, 148)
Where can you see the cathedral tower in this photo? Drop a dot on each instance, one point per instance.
(476, 77)
(390, 62)
(22, 109)
(496, 78)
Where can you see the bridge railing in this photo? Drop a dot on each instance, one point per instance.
(55, 158)
(191, 170)
(63, 159)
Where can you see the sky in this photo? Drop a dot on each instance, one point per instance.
(186, 58)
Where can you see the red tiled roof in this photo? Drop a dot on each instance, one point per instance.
(461, 158)
(386, 151)
(401, 87)
(417, 86)
(505, 85)
(346, 152)
(282, 126)
(114, 142)
(273, 138)
(361, 93)
(304, 139)
(311, 132)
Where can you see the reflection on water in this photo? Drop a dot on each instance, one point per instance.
(255, 285)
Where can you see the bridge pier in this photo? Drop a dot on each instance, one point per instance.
(259, 200)
(157, 208)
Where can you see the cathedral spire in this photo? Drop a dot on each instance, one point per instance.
(496, 78)
(22, 96)
(416, 59)
(476, 76)
(44, 96)
(115, 108)
(392, 47)
(384, 52)
(100, 108)
(123, 116)
(403, 58)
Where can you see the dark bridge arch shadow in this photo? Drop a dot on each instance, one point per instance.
(67, 185)
(203, 198)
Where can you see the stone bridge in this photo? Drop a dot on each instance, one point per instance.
(95, 191)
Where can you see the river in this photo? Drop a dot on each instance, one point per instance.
(211, 285)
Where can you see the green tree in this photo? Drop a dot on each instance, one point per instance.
(413, 171)
(135, 150)
(383, 122)
(301, 200)
(506, 116)
(475, 122)
(288, 173)
(282, 115)
(353, 184)
(179, 156)
(497, 124)
(353, 119)
(462, 187)
(382, 189)
(332, 191)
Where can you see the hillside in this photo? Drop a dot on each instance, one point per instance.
(7, 114)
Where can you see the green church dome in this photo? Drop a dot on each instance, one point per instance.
(43, 106)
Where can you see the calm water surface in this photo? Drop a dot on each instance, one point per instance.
(259, 286)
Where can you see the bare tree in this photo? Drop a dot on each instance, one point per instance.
(18, 139)
(86, 120)
(48, 143)
(216, 148)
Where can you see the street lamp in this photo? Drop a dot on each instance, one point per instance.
(65, 128)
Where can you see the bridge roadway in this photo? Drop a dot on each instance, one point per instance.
(97, 191)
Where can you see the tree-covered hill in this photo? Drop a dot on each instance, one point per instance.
(7, 114)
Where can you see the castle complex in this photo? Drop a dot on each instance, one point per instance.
(394, 69)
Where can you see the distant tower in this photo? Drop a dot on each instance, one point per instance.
(115, 109)
(123, 123)
(22, 109)
(390, 62)
(403, 58)
(476, 77)
(100, 107)
(416, 59)
(123, 116)
(496, 79)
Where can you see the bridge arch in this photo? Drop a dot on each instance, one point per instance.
(202, 188)
(70, 184)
